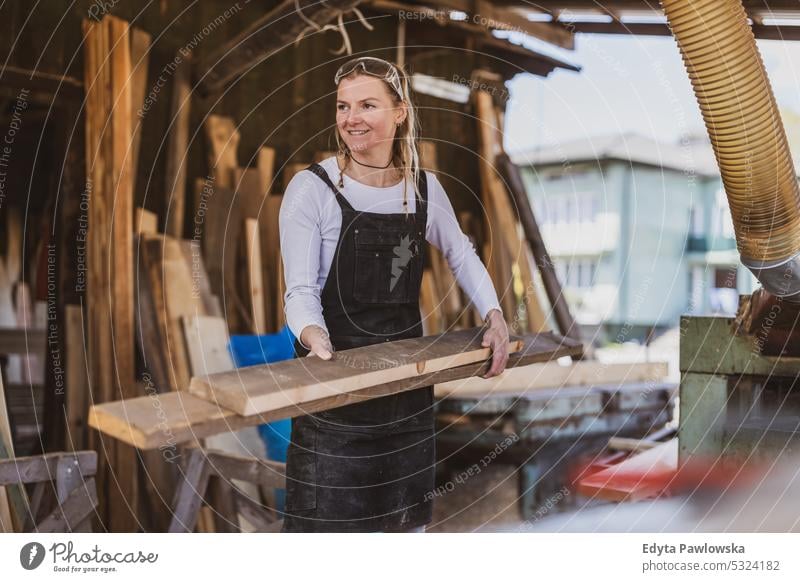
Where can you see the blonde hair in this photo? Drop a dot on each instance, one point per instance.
(404, 147)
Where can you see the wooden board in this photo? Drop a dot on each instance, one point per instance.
(553, 375)
(13, 499)
(639, 477)
(254, 271)
(178, 148)
(145, 222)
(207, 344)
(110, 292)
(183, 417)
(260, 389)
(140, 57)
(77, 398)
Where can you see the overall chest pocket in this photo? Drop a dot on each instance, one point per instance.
(387, 266)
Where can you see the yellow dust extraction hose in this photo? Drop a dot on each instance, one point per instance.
(742, 119)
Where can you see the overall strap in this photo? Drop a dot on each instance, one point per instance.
(422, 199)
(323, 175)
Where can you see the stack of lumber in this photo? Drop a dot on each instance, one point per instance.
(301, 386)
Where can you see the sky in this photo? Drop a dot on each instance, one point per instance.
(628, 84)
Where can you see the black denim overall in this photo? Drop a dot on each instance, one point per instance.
(367, 466)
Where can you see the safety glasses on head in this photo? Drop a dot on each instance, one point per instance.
(376, 68)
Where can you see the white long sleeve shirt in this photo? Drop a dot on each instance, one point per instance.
(310, 221)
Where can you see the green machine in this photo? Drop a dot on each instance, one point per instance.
(738, 396)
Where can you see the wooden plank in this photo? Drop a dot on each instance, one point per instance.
(628, 444)
(145, 222)
(6, 521)
(254, 272)
(68, 479)
(563, 316)
(77, 507)
(178, 148)
(180, 301)
(553, 375)
(140, 53)
(15, 499)
(223, 139)
(207, 344)
(123, 494)
(260, 389)
(640, 477)
(44, 468)
(183, 417)
(149, 314)
(193, 256)
(189, 494)
(266, 169)
(77, 397)
(110, 329)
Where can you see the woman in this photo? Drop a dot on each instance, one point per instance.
(353, 242)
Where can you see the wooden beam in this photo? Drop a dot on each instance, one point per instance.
(140, 54)
(254, 271)
(77, 397)
(555, 294)
(42, 468)
(79, 505)
(178, 148)
(261, 389)
(273, 32)
(13, 498)
(522, 380)
(182, 417)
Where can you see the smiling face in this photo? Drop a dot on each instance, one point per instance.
(366, 114)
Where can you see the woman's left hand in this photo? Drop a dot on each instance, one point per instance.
(496, 337)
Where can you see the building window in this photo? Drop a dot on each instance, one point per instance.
(577, 273)
(696, 226)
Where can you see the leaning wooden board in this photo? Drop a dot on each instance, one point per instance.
(262, 389)
(150, 422)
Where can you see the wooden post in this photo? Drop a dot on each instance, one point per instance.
(566, 324)
(110, 329)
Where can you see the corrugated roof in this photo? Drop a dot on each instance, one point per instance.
(691, 156)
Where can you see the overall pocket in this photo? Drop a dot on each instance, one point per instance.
(387, 266)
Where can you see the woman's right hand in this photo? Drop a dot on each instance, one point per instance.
(318, 341)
